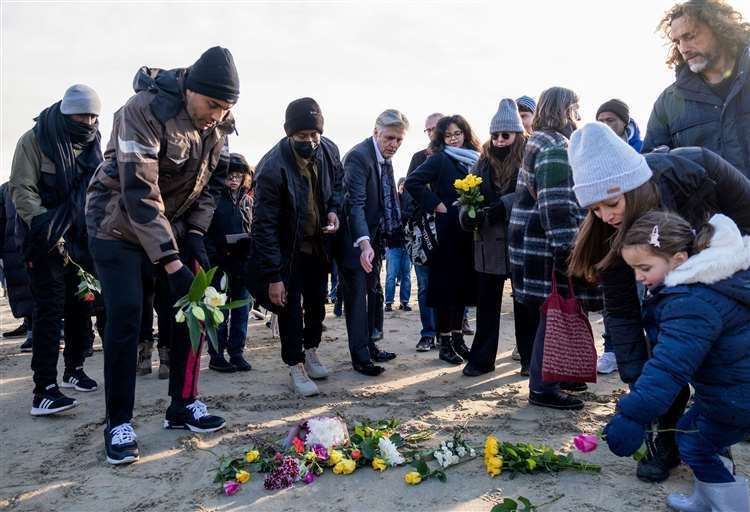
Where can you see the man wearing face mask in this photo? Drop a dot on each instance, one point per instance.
(373, 213)
(295, 215)
(147, 208)
(52, 165)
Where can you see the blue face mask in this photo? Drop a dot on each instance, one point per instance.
(306, 149)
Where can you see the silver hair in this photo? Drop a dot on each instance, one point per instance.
(392, 118)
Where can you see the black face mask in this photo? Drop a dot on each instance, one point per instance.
(81, 134)
(500, 153)
(306, 149)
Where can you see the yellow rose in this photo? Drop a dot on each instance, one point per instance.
(379, 464)
(242, 476)
(412, 478)
(345, 467)
(494, 465)
(251, 456)
(491, 446)
(334, 457)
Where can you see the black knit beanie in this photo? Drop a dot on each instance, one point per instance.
(238, 164)
(617, 107)
(303, 114)
(214, 75)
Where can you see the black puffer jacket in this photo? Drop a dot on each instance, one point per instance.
(280, 204)
(19, 293)
(696, 183)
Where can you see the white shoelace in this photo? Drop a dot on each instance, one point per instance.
(198, 409)
(123, 434)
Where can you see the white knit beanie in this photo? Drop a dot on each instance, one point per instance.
(507, 118)
(604, 165)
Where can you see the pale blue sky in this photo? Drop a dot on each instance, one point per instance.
(355, 58)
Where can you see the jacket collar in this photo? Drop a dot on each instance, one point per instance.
(727, 254)
(693, 84)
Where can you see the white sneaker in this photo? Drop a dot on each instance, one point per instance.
(607, 363)
(301, 382)
(313, 366)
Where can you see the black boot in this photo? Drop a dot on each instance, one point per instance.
(447, 353)
(459, 345)
(655, 466)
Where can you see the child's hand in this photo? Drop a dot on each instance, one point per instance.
(624, 436)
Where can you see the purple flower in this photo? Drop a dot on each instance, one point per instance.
(283, 476)
(231, 487)
(309, 477)
(586, 442)
(320, 452)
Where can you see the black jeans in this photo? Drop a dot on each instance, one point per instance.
(526, 321)
(449, 319)
(484, 347)
(301, 321)
(122, 268)
(53, 288)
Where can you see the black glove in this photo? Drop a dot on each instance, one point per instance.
(467, 223)
(36, 242)
(496, 213)
(180, 282)
(194, 249)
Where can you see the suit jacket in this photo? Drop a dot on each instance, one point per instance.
(363, 201)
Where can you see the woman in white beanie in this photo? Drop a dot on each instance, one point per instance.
(617, 185)
(498, 167)
(543, 225)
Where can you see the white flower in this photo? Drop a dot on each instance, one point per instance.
(472, 453)
(389, 452)
(180, 316)
(325, 431)
(214, 298)
(450, 444)
(461, 451)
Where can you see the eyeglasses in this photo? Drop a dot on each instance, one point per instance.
(453, 135)
(429, 130)
(501, 135)
(234, 177)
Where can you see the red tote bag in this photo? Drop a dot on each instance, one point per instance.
(569, 351)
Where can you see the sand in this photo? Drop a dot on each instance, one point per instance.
(57, 463)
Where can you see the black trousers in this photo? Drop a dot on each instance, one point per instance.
(526, 320)
(449, 318)
(363, 306)
(301, 321)
(122, 267)
(53, 288)
(484, 347)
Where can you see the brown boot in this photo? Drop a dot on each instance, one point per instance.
(144, 357)
(163, 363)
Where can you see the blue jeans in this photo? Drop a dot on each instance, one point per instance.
(397, 264)
(426, 314)
(536, 383)
(232, 337)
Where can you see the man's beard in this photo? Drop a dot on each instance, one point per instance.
(699, 66)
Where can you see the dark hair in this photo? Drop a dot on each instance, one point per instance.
(438, 137)
(726, 24)
(553, 109)
(593, 250)
(665, 234)
(506, 168)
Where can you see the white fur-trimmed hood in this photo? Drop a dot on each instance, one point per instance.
(727, 254)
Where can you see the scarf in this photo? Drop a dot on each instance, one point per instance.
(466, 157)
(391, 207)
(59, 136)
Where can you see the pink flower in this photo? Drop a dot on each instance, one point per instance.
(309, 477)
(586, 442)
(231, 487)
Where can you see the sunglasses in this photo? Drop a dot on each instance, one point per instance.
(501, 135)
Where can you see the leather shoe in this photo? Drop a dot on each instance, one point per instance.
(380, 356)
(369, 369)
(472, 371)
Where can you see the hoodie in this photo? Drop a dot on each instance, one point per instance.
(700, 323)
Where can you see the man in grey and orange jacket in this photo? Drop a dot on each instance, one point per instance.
(148, 207)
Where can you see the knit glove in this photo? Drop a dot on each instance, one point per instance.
(180, 282)
(194, 249)
(624, 436)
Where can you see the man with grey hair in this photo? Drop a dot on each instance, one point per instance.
(371, 212)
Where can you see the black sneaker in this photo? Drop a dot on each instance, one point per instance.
(51, 401)
(459, 345)
(388, 308)
(193, 417)
(405, 307)
(655, 467)
(555, 401)
(425, 344)
(575, 387)
(219, 364)
(240, 363)
(28, 344)
(78, 380)
(120, 444)
(18, 332)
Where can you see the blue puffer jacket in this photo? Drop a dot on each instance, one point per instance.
(700, 320)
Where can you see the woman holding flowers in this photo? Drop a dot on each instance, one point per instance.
(455, 150)
(543, 225)
(498, 170)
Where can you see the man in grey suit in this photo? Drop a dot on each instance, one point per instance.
(371, 210)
